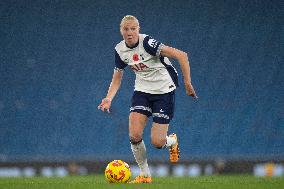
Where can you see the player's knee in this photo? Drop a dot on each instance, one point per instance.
(135, 139)
(158, 143)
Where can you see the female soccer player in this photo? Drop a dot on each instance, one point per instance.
(154, 93)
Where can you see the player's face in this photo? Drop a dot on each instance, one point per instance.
(130, 32)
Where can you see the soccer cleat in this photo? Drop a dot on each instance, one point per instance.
(174, 150)
(141, 179)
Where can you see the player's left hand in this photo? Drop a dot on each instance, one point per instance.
(190, 90)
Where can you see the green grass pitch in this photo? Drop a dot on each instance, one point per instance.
(98, 182)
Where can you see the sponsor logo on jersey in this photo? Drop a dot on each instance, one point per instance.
(138, 67)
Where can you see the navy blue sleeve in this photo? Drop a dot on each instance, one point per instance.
(151, 45)
(119, 64)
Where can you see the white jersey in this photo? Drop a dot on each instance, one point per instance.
(154, 73)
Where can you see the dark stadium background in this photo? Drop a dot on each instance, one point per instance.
(57, 59)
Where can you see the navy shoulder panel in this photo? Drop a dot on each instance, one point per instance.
(151, 45)
(118, 62)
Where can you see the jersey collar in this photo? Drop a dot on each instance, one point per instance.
(132, 46)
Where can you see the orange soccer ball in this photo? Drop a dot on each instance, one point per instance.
(117, 171)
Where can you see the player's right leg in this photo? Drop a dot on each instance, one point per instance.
(137, 123)
(139, 112)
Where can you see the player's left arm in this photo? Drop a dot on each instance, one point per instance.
(183, 60)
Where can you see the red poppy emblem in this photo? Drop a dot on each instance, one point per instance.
(135, 57)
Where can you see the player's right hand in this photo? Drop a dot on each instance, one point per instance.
(105, 105)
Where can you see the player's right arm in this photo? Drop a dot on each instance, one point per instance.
(113, 88)
(114, 85)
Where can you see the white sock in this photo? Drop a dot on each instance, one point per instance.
(170, 141)
(139, 152)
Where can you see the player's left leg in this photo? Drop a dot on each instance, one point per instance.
(159, 134)
(163, 111)
(160, 139)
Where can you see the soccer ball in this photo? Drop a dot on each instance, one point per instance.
(117, 171)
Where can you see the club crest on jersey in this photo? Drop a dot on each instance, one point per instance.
(138, 67)
(153, 43)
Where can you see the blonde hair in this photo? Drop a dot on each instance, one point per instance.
(129, 18)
